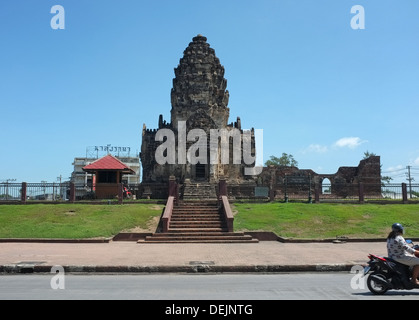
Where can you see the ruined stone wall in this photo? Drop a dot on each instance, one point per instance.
(344, 183)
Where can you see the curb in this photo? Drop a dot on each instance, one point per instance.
(260, 235)
(203, 268)
(44, 240)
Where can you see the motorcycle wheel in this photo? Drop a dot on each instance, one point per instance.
(376, 287)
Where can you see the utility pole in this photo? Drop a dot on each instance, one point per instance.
(44, 187)
(410, 179)
(60, 189)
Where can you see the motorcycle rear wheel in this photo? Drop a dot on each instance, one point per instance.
(376, 287)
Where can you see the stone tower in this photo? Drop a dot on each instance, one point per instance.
(199, 100)
(199, 88)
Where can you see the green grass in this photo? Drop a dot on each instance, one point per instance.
(73, 221)
(302, 220)
(290, 220)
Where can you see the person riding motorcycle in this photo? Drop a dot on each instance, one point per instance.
(400, 251)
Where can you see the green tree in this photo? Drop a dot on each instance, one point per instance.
(286, 160)
(368, 154)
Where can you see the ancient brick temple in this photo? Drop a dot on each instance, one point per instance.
(199, 101)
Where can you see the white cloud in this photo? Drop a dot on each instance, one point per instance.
(316, 148)
(349, 142)
(416, 162)
(396, 168)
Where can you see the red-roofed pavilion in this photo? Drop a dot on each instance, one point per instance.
(108, 173)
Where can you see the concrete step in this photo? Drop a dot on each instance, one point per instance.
(197, 233)
(161, 238)
(182, 225)
(198, 191)
(203, 237)
(185, 203)
(195, 211)
(198, 222)
(200, 241)
(198, 230)
(195, 207)
(194, 218)
(195, 214)
(192, 208)
(195, 222)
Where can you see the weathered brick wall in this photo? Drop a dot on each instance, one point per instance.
(344, 183)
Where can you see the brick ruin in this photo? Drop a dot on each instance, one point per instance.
(199, 98)
(344, 183)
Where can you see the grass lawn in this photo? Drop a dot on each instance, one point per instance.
(73, 221)
(291, 220)
(302, 220)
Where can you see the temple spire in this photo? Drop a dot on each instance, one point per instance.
(199, 84)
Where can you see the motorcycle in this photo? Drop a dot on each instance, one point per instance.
(385, 274)
(127, 193)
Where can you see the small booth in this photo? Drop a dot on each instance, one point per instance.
(108, 172)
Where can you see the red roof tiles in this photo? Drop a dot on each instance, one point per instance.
(108, 162)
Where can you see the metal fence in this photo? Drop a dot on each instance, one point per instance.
(66, 191)
(355, 192)
(47, 191)
(10, 191)
(62, 192)
(392, 192)
(34, 191)
(310, 192)
(413, 191)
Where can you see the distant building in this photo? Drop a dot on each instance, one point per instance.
(108, 172)
(80, 177)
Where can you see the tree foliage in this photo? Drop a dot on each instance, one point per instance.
(368, 154)
(286, 160)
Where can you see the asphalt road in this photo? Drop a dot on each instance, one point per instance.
(280, 286)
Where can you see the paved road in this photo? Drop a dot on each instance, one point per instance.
(283, 286)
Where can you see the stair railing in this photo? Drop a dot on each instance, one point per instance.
(228, 214)
(225, 205)
(167, 215)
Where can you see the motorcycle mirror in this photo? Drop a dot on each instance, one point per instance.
(409, 241)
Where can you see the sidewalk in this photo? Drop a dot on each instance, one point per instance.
(124, 256)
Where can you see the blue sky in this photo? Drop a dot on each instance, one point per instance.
(320, 90)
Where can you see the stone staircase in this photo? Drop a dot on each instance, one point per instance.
(199, 191)
(202, 222)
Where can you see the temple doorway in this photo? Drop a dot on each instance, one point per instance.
(200, 171)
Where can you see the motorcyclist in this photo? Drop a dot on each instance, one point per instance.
(400, 251)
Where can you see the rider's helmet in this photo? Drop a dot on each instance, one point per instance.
(397, 227)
